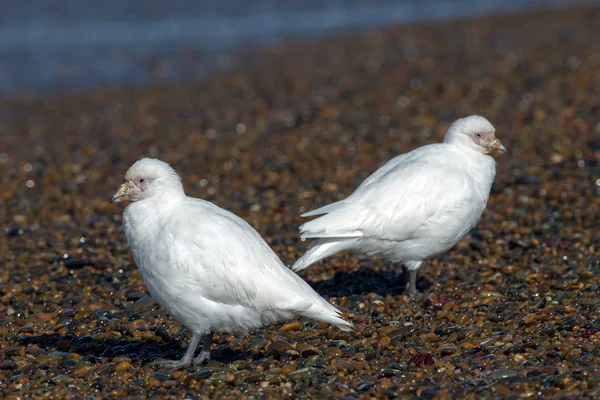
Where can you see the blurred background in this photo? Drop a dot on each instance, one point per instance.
(57, 46)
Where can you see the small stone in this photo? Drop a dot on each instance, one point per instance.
(123, 366)
(287, 369)
(330, 370)
(78, 263)
(507, 374)
(17, 231)
(8, 365)
(140, 304)
(448, 349)
(136, 295)
(527, 180)
(61, 379)
(292, 326)
(428, 337)
(280, 346)
(301, 373)
(420, 359)
(401, 333)
(257, 343)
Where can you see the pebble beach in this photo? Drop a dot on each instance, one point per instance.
(512, 311)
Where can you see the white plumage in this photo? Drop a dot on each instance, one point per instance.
(207, 267)
(416, 206)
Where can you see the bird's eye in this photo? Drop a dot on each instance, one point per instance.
(478, 135)
(141, 180)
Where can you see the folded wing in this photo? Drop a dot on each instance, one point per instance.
(230, 263)
(396, 202)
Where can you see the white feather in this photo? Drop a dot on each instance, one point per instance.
(211, 270)
(414, 207)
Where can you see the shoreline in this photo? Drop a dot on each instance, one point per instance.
(64, 55)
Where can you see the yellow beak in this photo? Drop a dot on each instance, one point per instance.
(121, 194)
(497, 146)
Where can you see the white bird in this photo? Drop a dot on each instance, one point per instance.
(206, 266)
(416, 206)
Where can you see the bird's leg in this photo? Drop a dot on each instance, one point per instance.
(410, 272)
(411, 285)
(185, 361)
(205, 352)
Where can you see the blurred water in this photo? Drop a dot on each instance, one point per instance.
(51, 46)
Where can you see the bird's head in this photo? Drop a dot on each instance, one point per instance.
(476, 133)
(147, 178)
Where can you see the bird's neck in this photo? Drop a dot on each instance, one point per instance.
(162, 199)
(167, 198)
(465, 146)
(143, 216)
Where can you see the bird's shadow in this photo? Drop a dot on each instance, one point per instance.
(365, 280)
(344, 283)
(96, 351)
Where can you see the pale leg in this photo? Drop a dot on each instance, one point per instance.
(410, 272)
(185, 361)
(205, 352)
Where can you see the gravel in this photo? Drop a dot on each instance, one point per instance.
(512, 311)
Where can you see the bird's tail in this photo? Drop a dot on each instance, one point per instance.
(328, 313)
(321, 249)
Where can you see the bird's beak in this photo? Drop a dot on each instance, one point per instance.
(496, 145)
(121, 194)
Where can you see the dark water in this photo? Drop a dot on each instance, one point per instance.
(49, 46)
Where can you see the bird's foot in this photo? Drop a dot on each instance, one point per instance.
(202, 357)
(414, 293)
(171, 364)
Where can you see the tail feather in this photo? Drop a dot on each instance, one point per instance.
(329, 317)
(330, 235)
(342, 223)
(323, 210)
(312, 305)
(321, 249)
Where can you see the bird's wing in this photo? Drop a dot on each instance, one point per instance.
(384, 169)
(420, 194)
(389, 166)
(224, 259)
(398, 200)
